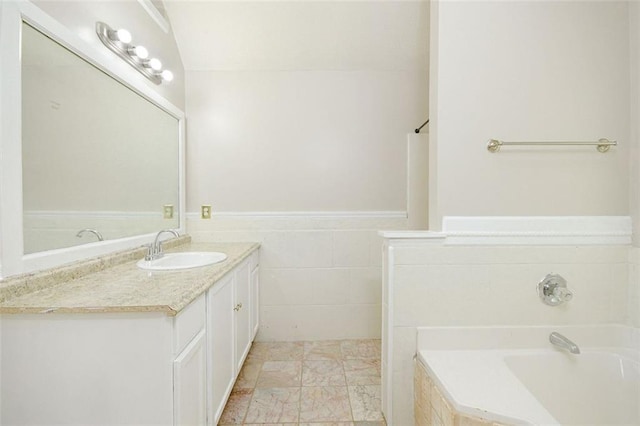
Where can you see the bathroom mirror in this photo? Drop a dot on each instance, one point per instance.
(96, 156)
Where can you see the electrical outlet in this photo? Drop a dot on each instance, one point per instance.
(167, 211)
(205, 212)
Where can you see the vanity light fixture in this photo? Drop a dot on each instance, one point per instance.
(121, 35)
(138, 52)
(154, 64)
(119, 42)
(166, 75)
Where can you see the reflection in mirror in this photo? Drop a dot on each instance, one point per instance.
(98, 160)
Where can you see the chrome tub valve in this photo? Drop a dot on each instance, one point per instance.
(553, 290)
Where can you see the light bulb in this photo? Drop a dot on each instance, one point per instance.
(154, 64)
(121, 35)
(139, 52)
(167, 75)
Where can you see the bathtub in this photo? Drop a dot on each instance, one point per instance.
(513, 375)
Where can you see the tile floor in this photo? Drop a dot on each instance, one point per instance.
(326, 383)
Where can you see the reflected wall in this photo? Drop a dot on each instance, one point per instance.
(95, 154)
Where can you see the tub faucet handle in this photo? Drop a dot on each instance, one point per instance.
(561, 294)
(553, 290)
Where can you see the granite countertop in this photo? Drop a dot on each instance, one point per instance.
(127, 288)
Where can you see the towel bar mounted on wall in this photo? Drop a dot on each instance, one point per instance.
(602, 145)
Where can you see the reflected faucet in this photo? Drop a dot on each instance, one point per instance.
(93, 231)
(562, 342)
(155, 249)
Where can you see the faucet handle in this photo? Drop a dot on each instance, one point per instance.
(150, 252)
(553, 290)
(562, 294)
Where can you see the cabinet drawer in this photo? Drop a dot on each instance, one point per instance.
(188, 323)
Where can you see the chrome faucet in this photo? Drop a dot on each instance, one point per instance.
(155, 249)
(562, 342)
(553, 290)
(93, 231)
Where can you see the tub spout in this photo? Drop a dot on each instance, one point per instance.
(561, 341)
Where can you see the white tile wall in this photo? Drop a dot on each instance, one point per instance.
(489, 285)
(633, 295)
(320, 275)
(55, 229)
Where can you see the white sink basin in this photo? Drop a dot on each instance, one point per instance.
(186, 260)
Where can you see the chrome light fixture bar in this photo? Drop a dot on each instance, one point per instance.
(119, 42)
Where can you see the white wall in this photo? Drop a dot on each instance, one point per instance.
(300, 140)
(301, 106)
(529, 71)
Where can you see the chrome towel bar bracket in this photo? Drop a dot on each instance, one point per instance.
(602, 145)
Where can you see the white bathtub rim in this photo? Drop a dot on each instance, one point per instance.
(525, 337)
(510, 402)
(523, 410)
(442, 350)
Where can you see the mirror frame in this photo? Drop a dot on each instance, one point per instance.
(13, 261)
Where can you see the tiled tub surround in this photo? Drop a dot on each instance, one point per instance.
(513, 375)
(308, 383)
(439, 285)
(115, 284)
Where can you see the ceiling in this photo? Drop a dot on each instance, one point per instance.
(301, 35)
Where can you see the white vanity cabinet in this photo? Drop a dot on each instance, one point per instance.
(190, 386)
(129, 368)
(221, 360)
(189, 365)
(105, 369)
(242, 311)
(230, 331)
(255, 296)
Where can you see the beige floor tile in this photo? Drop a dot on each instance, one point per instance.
(267, 424)
(277, 351)
(236, 407)
(365, 402)
(249, 374)
(361, 349)
(322, 373)
(280, 374)
(362, 371)
(325, 404)
(274, 405)
(322, 350)
(326, 383)
(327, 424)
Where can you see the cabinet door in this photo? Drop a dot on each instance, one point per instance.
(190, 384)
(242, 313)
(220, 329)
(255, 297)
